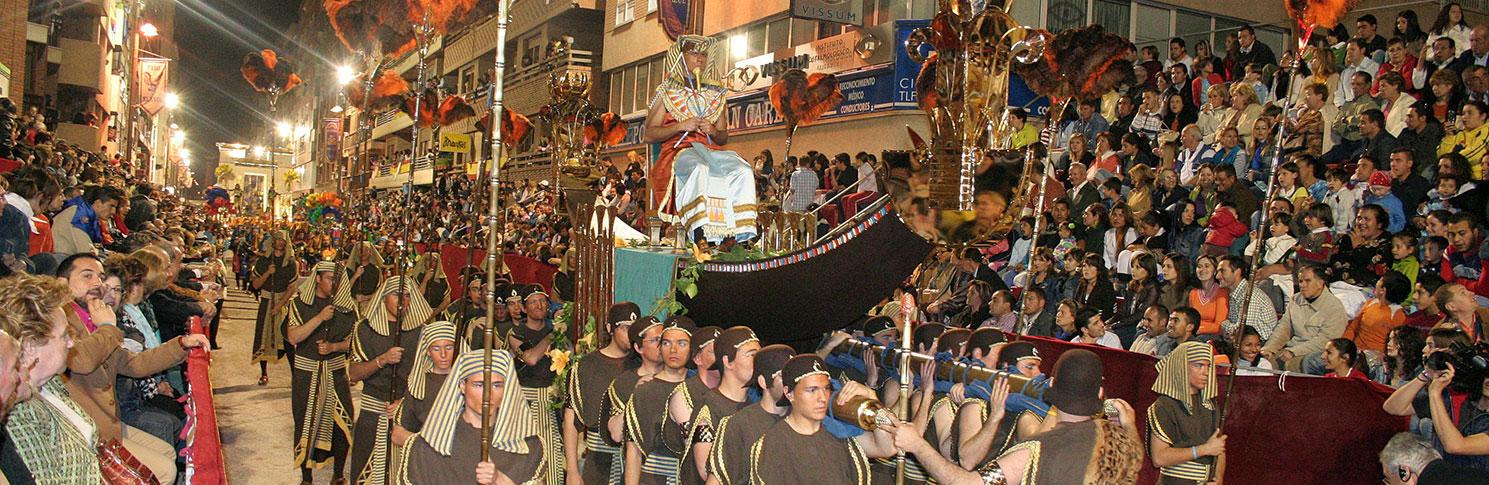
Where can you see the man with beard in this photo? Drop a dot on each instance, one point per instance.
(392, 324)
(648, 457)
(735, 350)
(1077, 449)
(587, 384)
(799, 449)
(97, 360)
(729, 454)
(645, 335)
(273, 274)
(320, 321)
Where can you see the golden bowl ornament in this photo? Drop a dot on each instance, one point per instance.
(569, 85)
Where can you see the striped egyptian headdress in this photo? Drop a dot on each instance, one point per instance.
(342, 297)
(513, 422)
(418, 309)
(441, 330)
(1173, 375)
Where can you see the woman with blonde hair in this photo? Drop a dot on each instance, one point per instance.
(1245, 111)
(1215, 110)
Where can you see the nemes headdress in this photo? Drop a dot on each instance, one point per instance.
(342, 297)
(418, 309)
(1173, 375)
(513, 423)
(687, 95)
(441, 330)
(677, 70)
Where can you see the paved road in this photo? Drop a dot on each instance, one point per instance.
(255, 421)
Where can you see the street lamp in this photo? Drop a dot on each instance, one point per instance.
(284, 129)
(179, 138)
(345, 75)
(258, 152)
(149, 30)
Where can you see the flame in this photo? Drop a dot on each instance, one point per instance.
(1310, 13)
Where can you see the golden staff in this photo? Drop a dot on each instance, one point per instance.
(907, 310)
(492, 213)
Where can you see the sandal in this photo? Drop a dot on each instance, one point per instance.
(263, 380)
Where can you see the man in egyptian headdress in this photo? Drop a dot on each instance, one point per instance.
(447, 449)
(273, 275)
(321, 319)
(1184, 422)
(705, 186)
(393, 323)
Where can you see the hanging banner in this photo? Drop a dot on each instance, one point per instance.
(674, 16)
(454, 142)
(332, 127)
(153, 77)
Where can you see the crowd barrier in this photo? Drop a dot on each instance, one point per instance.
(1281, 429)
(203, 451)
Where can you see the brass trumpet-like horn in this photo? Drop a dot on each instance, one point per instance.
(865, 412)
(957, 372)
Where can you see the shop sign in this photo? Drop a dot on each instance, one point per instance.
(833, 54)
(906, 70)
(840, 11)
(454, 142)
(863, 92)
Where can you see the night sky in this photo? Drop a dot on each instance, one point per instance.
(214, 35)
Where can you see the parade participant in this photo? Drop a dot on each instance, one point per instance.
(438, 349)
(377, 361)
(320, 322)
(645, 335)
(729, 454)
(735, 350)
(647, 455)
(530, 340)
(799, 449)
(583, 414)
(983, 428)
(365, 272)
(447, 449)
(1183, 424)
(1079, 448)
(273, 274)
(708, 188)
(429, 271)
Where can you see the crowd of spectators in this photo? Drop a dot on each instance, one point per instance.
(102, 273)
(1369, 238)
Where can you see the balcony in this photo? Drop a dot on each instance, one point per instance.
(529, 14)
(89, 8)
(79, 134)
(84, 64)
(527, 89)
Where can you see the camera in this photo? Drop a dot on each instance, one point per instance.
(1470, 364)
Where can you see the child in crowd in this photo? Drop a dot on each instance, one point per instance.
(1279, 247)
(1403, 250)
(1439, 198)
(1067, 241)
(1433, 248)
(1317, 246)
(1341, 200)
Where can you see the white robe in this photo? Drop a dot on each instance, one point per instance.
(716, 192)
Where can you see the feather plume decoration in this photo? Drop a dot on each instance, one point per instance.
(267, 73)
(605, 130)
(925, 85)
(388, 90)
(453, 109)
(1084, 63)
(425, 103)
(802, 98)
(515, 126)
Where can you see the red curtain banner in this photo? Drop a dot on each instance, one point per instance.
(1297, 429)
(523, 269)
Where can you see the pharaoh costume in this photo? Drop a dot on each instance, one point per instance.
(374, 335)
(711, 188)
(587, 386)
(423, 381)
(320, 392)
(366, 284)
(729, 459)
(438, 288)
(448, 449)
(1181, 417)
(274, 298)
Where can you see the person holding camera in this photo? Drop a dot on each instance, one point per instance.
(1463, 436)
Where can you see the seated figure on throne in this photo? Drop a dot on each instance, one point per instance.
(710, 191)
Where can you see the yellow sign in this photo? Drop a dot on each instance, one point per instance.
(454, 142)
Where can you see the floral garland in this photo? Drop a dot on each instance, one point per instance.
(561, 351)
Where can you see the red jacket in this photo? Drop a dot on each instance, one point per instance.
(1480, 285)
(1224, 228)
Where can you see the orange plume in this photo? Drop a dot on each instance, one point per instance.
(1326, 13)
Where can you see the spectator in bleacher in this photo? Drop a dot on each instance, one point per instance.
(1248, 51)
(1313, 317)
(82, 219)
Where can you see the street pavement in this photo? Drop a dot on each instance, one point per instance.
(255, 421)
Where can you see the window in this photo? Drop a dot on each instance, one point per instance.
(623, 12)
(1192, 27)
(620, 91)
(1026, 13)
(1116, 17)
(1153, 28)
(755, 36)
(651, 6)
(1066, 14)
(778, 35)
(920, 9)
(803, 31)
(644, 86)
